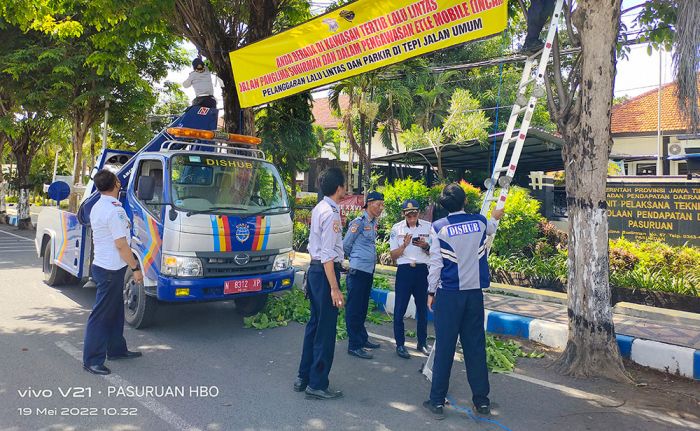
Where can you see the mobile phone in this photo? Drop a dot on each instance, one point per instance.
(415, 240)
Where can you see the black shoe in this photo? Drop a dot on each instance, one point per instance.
(531, 48)
(371, 345)
(97, 369)
(436, 411)
(402, 352)
(300, 385)
(361, 353)
(483, 409)
(424, 350)
(322, 394)
(126, 355)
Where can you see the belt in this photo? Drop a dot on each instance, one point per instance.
(415, 265)
(336, 265)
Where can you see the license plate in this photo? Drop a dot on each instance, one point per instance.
(240, 286)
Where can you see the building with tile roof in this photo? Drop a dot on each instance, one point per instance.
(637, 133)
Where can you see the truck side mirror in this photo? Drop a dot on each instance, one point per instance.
(146, 188)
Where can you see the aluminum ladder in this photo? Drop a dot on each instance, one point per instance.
(530, 89)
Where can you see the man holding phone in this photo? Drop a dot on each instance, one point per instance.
(410, 248)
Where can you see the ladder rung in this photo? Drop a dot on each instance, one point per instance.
(501, 169)
(519, 110)
(528, 82)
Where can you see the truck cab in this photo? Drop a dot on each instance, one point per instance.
(210, 220)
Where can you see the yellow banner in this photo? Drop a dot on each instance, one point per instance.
(357, 38)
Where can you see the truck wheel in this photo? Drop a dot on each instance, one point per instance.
(53, 274)
(250, 305)
(139, 308)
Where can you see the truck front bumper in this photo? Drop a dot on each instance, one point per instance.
(212, 289)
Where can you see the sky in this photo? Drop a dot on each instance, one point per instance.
(635, 75)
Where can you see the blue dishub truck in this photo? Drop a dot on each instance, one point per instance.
(210, 220)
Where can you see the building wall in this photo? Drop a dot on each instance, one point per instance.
(646, 146)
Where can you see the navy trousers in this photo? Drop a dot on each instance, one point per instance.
(319, 338)
(359, 288)
(104, 334)
(537, 15)
(411, 281)
(460, 313)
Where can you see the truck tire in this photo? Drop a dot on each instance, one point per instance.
(53, 274)
(250, 305)
(139, 308)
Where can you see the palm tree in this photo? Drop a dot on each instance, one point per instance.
(432, 98)
(330, 140)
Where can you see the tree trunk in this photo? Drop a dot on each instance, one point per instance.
(24, 161)
(80, 129)
(592, 348)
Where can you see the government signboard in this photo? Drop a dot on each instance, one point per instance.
(356, 38)
(668, 212)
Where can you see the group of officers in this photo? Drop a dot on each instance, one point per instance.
(442, 265)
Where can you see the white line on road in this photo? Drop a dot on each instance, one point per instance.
(154, 406)
(605, 402)
(17, 236)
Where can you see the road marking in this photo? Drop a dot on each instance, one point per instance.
(149, 403)
(16, 236)
(605, 402)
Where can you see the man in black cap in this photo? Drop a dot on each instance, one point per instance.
(410, 245)
(200, 79)
(360, 245)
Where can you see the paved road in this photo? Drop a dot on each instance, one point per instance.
(248, 374)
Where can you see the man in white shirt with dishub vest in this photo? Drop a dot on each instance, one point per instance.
(458, 273)
(410, 244)
(111, 236)
(323, 289)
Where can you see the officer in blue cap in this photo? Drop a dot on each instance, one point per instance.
(410, 246)
(360, 245)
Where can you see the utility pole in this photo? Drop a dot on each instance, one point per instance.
(659, 141)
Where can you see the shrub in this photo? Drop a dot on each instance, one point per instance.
(396, 193)
(473, 202)
(518, 230)
(553, 236)
(306, 202)
(302, 216)
(11, 199)
(301, 236)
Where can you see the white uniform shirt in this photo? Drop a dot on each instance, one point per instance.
(109, 222)
(326, 237)
(412, 254)
(202, 82)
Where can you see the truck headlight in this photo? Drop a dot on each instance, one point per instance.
(283, 261)
(181, 266)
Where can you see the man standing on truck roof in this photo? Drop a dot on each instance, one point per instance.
(200, 79)
(111, 237)
(323, 289)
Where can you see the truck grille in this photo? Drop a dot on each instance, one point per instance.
(231, 264)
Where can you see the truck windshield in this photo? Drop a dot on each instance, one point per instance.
(215, 183)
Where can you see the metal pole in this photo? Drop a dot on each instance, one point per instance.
(104, 126)
(659, 145)
(55, 166)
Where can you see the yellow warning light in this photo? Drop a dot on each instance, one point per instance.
(186, 132)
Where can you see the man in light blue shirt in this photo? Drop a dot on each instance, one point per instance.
(360, 246)
(323, 290)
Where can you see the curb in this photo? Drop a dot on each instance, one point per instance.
(669, 358)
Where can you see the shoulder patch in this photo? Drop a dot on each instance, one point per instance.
(116, 203)
(336, 226)
(353, 228)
